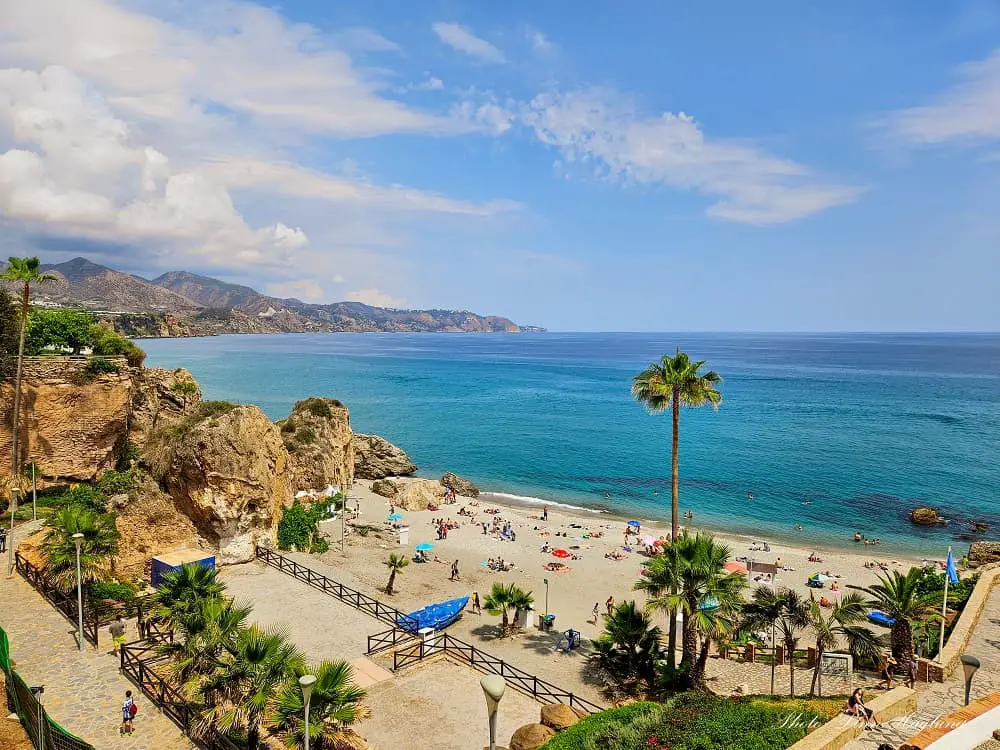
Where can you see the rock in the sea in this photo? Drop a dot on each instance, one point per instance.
(925, 516)
(462, 487)
(410, 494)
(377, 458)
(320, 443)
(161, 397)
(227, 470)
(531, 737)
(983, 553)
(559, 716)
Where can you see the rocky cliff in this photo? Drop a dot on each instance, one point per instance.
(377, 458)
(318, 437)
(74, 419)
(161, 397)
(226, 468)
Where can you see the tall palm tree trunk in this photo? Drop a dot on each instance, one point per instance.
(698, 671)
(816, 677)
(392, 580)
(689, 641)
(16, 418)
(774, 657)
(901, 640)
(790, 647)
(674, 513)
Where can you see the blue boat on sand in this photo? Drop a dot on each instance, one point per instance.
(878, 617)
(435, 616)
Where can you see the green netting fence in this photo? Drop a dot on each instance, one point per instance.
(43, 731)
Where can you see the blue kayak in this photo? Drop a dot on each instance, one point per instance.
(878, 617)
(435, 616)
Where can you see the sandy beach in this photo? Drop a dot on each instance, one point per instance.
(591, 577)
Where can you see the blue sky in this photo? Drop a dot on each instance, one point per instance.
(691, 166)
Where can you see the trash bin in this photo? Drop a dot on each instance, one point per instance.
(546, 622)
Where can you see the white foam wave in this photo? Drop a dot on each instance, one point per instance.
(501, 496)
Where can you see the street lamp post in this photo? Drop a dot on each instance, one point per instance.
(493, 686)
(546, 582)
(306, 682)
(78, 540)
(970, 665)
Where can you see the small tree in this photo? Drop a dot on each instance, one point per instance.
(841, 624)
(58, 330)
(499, 602)
(629, 649)
(395, 564)
(520, 600)
(336, 707)
(100, 542)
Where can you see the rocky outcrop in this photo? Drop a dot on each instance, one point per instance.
(462, 487)
(377, 458)
(925, 516)
(161, 397)
(226, 469)
(410, 494)
(320, 443)
(559, 716)
(74, 419)
(531, 737)
(983, 553)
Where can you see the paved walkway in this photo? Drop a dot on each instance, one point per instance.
(936, 700)
(83, 692)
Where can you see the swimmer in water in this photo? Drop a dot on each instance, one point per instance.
(798, 527)
(749, 496)
(807, 502)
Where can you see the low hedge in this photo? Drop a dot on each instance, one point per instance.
(692, 721)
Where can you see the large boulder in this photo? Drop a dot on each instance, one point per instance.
(227, 470)
(161, 397)
(74, 418)
(925, 516)
(377, 458)
(319, 440)
(983, 553)
(531, 737)
(410, 494)
(462, 487)
(559, 716)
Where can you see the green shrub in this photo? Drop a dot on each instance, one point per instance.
(119, 592)
(317, 407)
(287, 426)
(305, 436)
(95, 367)
(87, 497)
(129, 455)
(692, 721)
(116, 482)
(297, 527)
(185, 388)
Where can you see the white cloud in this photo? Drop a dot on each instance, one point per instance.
(462, 39)
(970, 110)
(375, 298)
(306, 290)
(599, 130)
(540, 42)
(365, 39)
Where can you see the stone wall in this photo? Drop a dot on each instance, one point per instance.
(949, 659)
(841, 729)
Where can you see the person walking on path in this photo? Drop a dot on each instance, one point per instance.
(129, 710)
(476, 606)
(454, 571)
(597, 611)
(3, 540)
(117, 630)
(610, 604)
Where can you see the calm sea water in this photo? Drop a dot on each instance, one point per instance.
(835, 433)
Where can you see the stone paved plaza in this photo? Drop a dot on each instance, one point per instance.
(83, 692)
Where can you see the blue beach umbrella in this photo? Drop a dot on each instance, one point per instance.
(634, 523)
(395, 516)
(424, 547)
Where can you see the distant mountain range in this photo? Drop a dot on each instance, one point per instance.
(180, 303)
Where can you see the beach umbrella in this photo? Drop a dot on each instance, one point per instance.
(735, 567)
(561, 553)
(708, 604)
(424, 547)
(395, 516)
(821, 577)
(648, 541)
(634, 523)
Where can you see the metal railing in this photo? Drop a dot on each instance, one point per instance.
(363, 602)
(138, 663)
(96, 614)
(539, 689)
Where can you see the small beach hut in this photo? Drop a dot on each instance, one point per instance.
(172, 561)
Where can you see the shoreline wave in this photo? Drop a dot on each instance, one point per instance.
(512, 499)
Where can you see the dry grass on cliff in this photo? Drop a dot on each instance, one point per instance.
(158, 450)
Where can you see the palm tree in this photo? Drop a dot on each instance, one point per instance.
(629, 649)
(691, 577)
(899, 596)
(252, 672)
(841, 624)
(204, 631)
(763, 611)
(520, 600)
(788, 612)
(181, 591)
(24, 272)
(673, 382)
(395, 563)
(100, 542)
(335, 707)
(500, 599)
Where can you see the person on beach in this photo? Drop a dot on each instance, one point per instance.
(911, 672)
(888, 667)
(545, 513)
(129, 710)
(117, 630)
(476, 606)
(3, 540)
(454, 571)
(610, 604)
(856, 705)
(597, 611)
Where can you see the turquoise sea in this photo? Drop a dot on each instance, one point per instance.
(835, 433)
